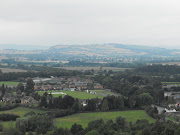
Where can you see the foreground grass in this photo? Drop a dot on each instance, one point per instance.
(9, 83)
(75, 94)
(85, 118)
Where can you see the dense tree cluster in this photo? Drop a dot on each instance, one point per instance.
(16, 76)
(39, 123)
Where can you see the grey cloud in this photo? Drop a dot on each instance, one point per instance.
(49, 22)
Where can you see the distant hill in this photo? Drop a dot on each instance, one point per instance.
(112, 49)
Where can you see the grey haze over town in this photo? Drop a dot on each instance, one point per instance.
(82, 22)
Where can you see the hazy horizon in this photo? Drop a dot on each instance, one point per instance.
(43, 47)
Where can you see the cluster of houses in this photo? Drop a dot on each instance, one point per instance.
(12, 98)
(65, 83)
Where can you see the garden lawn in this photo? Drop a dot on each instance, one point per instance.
(9, 83)
(85, 118)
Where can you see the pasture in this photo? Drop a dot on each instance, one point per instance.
(21, 111)
(75, 94)
(85, 118)
(9, 83)
(18, 111)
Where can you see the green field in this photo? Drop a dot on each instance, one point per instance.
(82, 95)
(19, 111)
(75, 94)
(85, 118)
(9, 83)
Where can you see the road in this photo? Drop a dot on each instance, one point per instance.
(159, 108)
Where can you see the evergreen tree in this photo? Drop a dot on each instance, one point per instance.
(104, 106)
(43, 102)
(29, 86)
(76, 128)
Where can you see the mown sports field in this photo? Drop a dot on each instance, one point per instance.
(85, 118)
(75, 94)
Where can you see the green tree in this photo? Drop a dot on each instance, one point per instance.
(121, 122)
(43, 102)
(177, 131)
(20, 88)
(104, 106)
(76, 128)
(93, 132)
(29, 86)
(146, 99)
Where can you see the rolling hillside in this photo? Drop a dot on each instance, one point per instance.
(112, 50)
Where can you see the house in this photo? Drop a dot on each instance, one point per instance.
(37, 87)
(98, 86)
(84, 102)
(28, 99)
(170, 111)
(46, 87)
(8, 97)
(56, 87)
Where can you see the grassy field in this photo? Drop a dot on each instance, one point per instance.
(21, 111)
(9, 83)
(85, 118)
(75, 94)
(8, 70)
(18, 111)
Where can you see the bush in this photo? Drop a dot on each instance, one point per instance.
(61, 113)
(29, 113)
(8, 117)
(8, 107)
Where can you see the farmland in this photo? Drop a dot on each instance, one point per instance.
(94, 68)
(8, 70)
(75, 94)
(85, 118)
(9, 83)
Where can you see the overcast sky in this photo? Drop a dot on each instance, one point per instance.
(51, 22)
